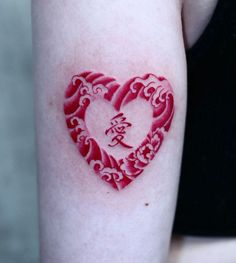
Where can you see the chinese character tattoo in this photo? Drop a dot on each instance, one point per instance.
(118, 130)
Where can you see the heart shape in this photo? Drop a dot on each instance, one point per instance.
(86, 88)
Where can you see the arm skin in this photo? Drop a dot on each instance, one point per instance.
(82, 219)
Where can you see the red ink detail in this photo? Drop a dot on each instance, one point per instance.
(118, 130)
(86, 88)
(94, 76)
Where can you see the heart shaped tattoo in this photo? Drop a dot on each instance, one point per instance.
(87, 88)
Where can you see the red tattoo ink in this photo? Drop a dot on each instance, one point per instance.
(84, 89)
(118, 129)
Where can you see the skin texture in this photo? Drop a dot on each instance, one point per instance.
(81, 218)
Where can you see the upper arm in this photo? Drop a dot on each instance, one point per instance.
(124, 39)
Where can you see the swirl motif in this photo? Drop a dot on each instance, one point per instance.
(87, 87)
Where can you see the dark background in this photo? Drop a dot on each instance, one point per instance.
(207, 193)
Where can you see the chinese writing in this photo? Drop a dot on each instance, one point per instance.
(118, 130)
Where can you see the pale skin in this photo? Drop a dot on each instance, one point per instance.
(82, 219)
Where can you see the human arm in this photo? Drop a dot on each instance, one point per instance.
(82, 219)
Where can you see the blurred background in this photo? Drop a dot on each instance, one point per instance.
(18, 202)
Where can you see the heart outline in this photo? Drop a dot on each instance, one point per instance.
(88, 86)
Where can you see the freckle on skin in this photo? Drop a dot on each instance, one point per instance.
(50, 103)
